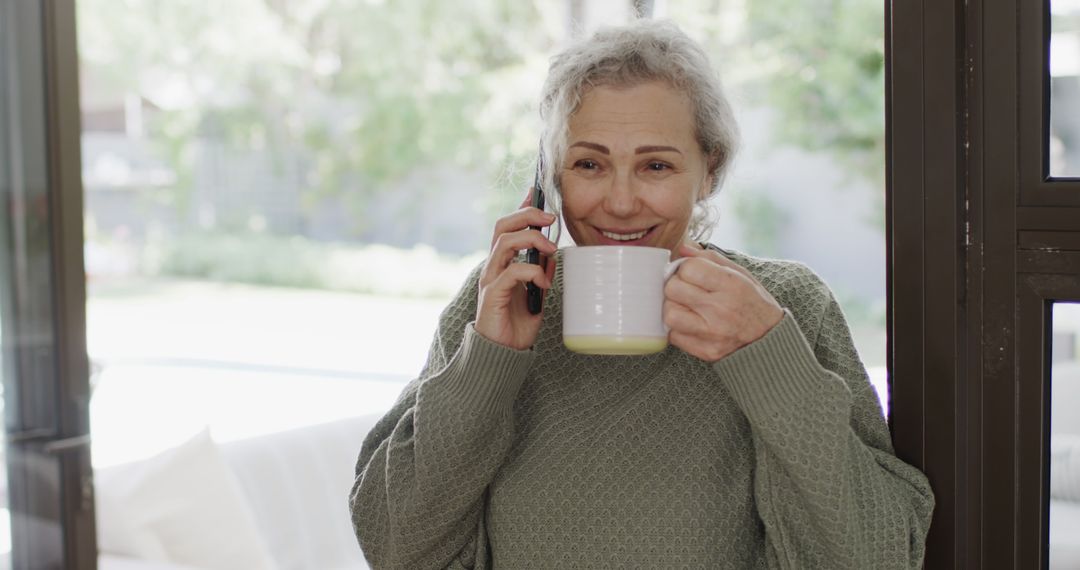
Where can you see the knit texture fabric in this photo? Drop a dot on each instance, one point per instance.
(776, 456)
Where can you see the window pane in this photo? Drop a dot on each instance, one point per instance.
(807, 84)
(1065, 438)
(5, 174)
(1065, 88)
(31, 535)
(282, 196)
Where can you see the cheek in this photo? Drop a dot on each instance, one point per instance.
(578, 200)
(676, 203)
(574, 212)
(570, 207)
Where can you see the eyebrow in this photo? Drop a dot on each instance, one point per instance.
(638, 150)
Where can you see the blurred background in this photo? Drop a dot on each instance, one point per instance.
(281, 196)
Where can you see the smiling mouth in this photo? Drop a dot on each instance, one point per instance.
(625, 236)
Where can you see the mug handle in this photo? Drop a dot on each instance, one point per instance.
(669, 270)
(672, 267)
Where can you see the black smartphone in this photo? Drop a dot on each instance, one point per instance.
(534, 296)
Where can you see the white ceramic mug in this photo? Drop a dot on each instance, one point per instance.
(613, 298)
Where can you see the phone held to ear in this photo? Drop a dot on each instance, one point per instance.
(534, 296)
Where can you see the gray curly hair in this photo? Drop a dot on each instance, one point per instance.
(625, 56)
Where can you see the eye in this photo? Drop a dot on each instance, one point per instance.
(586, 164)
(658, 166)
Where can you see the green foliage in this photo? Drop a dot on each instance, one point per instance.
(364, 90)
(761, 221)
(818, 64)
(290, 261)
(266, 260)
(826, 65)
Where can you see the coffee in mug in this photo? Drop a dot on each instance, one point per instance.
(613, 298)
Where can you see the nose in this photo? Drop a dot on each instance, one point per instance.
(621, 199)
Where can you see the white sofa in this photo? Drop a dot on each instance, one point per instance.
(279, 501)
(276, 502)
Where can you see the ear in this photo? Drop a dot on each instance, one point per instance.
(715, 159)
(711, 161)
(706, 187)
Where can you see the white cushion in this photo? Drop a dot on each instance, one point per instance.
(297, 483)
(115, 562)
(182, 506)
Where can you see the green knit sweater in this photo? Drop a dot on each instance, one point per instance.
(776, 456)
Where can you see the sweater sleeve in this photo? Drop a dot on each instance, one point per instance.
(827, 485)
(418, 498)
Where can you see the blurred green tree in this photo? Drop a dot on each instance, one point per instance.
(818, 64)
(825, 66)
(364, 90)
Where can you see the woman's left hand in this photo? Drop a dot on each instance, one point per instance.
(715, 307)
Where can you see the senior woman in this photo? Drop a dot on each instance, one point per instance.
(754, 441)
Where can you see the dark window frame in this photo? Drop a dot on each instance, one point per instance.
(1038, 292)
(980, 242)
(926, 274)
(46, 364)
(1039, 189)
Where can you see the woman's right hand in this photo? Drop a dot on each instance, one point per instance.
(502, 314)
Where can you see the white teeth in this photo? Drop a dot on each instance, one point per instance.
(625, 237)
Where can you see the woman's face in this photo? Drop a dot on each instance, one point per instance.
(633, 168)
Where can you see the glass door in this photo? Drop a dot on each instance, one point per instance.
(1064, 495)
(46, 493)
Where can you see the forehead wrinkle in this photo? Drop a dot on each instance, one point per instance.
(625, 120)
(636, 141)
(587, 127)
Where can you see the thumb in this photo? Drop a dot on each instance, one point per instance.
(687, 250)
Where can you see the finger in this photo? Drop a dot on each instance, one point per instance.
(528, 197)
(506, 249)
(714, 256)
(708, 275)
(513, 279)
(521, 219)
(548, 263)
(686, 293)
(679, 340)
(687, 250)
(687, 342)
(692, 345)
(549, 267)
(679, 317)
